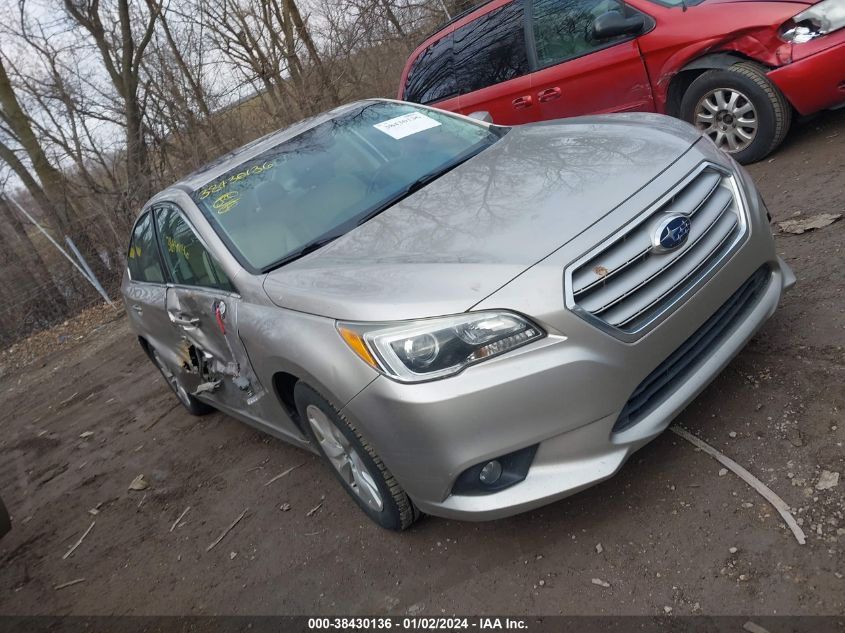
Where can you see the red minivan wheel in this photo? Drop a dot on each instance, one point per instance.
(739, 109)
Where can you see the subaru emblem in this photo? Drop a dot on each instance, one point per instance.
(670, 233)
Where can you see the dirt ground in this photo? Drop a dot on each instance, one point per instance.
(667, 524)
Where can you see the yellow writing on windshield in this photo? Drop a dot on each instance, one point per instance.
(226, 202)
(177, 247)
(220, 185)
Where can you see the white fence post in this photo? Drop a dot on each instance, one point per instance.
(86, 272)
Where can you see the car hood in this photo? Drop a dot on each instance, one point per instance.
(465, 235)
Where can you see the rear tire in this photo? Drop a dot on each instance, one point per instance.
(739, 109)
(354, 462)
(191, 404)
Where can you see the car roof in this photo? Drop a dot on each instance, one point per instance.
(227, 161)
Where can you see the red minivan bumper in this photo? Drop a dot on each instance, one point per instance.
(815, 82)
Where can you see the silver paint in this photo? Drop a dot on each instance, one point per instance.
(498, 232)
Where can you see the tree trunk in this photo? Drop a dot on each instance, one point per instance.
(137, 163)
(391, 17)
(305, 36)
(35, 190)
(31, 261)
(121, 57)
(53, 182)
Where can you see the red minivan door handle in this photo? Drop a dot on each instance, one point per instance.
(521, 103)
(549, 94)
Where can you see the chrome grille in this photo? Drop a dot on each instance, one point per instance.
(626, 283)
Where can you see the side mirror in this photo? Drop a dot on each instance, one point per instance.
(481, 115)
(614, 24)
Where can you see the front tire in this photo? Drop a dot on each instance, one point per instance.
(354, 462)
(739, 109)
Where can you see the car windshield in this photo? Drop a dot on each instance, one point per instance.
(317, 186)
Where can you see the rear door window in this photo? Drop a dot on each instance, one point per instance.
(143, 260)
(491, 49)
(432, 77)
(563, 29)
(188, 261)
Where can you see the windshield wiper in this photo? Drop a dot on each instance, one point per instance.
(310, 247)
(416, 185)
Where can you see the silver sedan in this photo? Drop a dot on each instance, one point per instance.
(463, 319)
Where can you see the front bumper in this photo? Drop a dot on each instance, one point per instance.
(564, 393)
(816, 81)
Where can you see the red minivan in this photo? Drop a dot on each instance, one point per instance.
(736, 69)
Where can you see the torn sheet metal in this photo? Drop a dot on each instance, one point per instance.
(212, 346)
(207, 387)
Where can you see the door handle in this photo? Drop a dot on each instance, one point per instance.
(139, 309)
(520, 103)
(549, 94)
(182, 320)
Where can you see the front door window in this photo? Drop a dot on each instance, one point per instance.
(563, 29)
(187, 260)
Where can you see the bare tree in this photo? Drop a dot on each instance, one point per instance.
(291, 11)
(53, 189)
(121, 51)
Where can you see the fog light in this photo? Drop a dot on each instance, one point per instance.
(491, 472)
(486, 478)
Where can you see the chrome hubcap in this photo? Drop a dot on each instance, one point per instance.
(172, 380)
(728, 117)
(344, 458)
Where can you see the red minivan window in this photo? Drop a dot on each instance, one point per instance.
(491, 49)
(487, 51)
(432, 77)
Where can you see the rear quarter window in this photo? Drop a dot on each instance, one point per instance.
(432, 76)
(143, 259)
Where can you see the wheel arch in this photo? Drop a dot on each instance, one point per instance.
(283, 385)
(284, 381)
(693, 69)
(145, 346)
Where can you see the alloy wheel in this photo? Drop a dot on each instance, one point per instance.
(728, 117)
(172, 380)
(344, 458)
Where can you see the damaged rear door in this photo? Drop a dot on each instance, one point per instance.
(202, 305)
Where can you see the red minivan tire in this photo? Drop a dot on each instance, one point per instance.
(740, 109)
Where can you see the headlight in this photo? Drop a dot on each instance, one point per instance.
(414, 351)
(823, 18)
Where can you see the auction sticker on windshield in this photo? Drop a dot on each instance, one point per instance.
(407, 124)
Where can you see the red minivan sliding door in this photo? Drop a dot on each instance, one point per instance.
(491, 66)
(577, 74)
